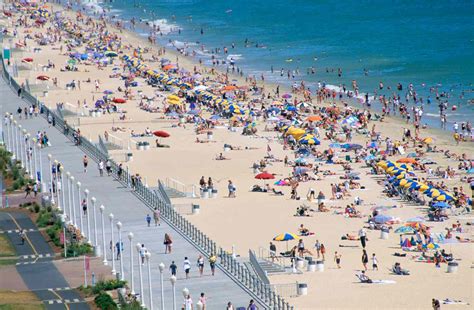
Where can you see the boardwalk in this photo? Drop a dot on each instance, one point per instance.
(132, 213)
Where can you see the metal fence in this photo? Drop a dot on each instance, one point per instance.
(103, 147)
(258, 269)
(261, 292)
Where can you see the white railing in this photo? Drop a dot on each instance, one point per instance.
(119, 142)
(189, 190)
(79, 111)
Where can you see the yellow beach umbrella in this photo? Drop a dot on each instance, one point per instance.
(173, 97)
(401, 176)
(423, 187)
(403, 182)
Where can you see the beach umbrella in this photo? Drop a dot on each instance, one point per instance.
(314, 118)
(229, 88)
(194, 112)
(407, 160)
(42, 77)
(406, 244)
(309, 139)
(161, 134)
(405, 230)
(423, 187)
(264, 176)
(110, 54)
(428, 140)
(169, 67)
(431, 246)
(441, 205)
(27, 59)
(444, 197)
(382, 218)
(286, 96)
(403, 182)
(300, 160)
(108, 92)
(415, 219)
(119, 100)
(286, 237)
(433, 193)
(173, 97)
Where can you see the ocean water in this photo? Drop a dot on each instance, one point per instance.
(426, 43)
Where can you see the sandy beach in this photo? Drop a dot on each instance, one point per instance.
(252, 219)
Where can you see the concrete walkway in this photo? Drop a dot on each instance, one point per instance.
(36, 264)
(132, 213)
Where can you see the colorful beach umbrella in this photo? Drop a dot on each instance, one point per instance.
(286, 237)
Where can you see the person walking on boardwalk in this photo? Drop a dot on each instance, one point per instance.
(148, 220)
(156, 216)
(108, 167)
(101, 168)
(173, 268)
(168, 243)
(200, 264)
(85, 162)
(186, 267)
(212, 263)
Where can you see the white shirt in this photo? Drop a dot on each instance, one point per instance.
(186, 264)
(362, 232)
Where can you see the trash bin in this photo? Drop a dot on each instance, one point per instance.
(129, 156)
(196, 209)
(45, 201)
(302, 289)
(210, 136)
(227, 149)
(45, 93)
(214, 193)
(320, 265)
(299, 263)
(204, 194)
(452, 267)
(312, 266)
(384, 233)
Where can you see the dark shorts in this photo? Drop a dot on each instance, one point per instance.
(338, 261)
(186, 270)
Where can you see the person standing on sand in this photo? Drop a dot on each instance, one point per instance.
(231, 189)
(365, 259)
(363, 237)
(375, 262)
(337, 259)
(323, 251)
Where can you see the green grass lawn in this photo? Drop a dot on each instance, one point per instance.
(6, 247)
(11, 300)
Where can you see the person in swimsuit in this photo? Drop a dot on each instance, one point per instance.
(337, 259)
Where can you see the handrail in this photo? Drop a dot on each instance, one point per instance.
(258, 269)
(181, 187)
(261, 292)
(103, 146)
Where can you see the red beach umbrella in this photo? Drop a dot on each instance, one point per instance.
(119, 100)
(28, 59)
(161, 134)
(264, 176)
(42, 77)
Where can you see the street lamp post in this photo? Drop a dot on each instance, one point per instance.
(29, 154)
(19, 145)
(173, 284)
(111, 218)
(71, 217)
(120, 248)
(25, 154)
(78, 184)
(94, 218)
(139, 247)
(57, 185)
(63, 190)
(132, 281)
(15, 140)
(161, 267)
(41, 176)
(50, 158)
(101, 209)
(35, 161)
(150, 293)
(73, 204)
(89, 237)
(8, 129)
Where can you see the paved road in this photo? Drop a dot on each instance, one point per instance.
(132, 212)
(35, 265)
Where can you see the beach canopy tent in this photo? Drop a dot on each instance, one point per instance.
(161, 134)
